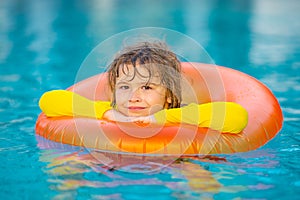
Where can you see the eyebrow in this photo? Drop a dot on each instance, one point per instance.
(121, 82)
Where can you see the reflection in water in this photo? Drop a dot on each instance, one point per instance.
(71, 168)
(100, 15)
(40, 26)
(230, 37)
(5, 28)
(268, 21)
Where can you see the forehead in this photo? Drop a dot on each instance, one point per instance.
(144, 73)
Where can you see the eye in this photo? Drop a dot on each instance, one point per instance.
(146, 87)
(124, 87)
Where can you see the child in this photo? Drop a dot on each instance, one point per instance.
(145, 80)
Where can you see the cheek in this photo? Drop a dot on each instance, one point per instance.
(120, 97)
(155, 109)
(156, 99)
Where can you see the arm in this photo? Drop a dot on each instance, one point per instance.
(223, 116)
(66, 103)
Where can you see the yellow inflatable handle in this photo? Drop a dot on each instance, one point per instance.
(57, 103)
(222, 116)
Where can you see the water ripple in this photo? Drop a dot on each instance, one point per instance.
(10, 78)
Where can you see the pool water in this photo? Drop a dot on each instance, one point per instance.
(42, 46)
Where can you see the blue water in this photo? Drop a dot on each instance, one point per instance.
(42, 46)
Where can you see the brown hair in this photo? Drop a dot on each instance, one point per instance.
(151, 55)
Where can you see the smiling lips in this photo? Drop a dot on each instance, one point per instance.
(135, 108)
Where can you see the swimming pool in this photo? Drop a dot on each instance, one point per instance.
(42, 45)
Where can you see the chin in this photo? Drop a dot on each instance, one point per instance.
(137, 115)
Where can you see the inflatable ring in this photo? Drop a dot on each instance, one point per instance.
(210, 83)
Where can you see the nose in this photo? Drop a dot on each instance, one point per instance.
(135, 96)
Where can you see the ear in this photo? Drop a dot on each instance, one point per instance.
(169, 100)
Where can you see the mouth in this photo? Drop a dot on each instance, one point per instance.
(136, 108)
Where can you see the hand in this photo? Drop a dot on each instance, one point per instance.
(144, 119)
(113, 115)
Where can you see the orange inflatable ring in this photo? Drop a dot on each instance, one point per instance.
(210, 83)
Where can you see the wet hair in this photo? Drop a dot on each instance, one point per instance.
(157, 59)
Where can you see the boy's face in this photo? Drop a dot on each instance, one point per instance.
(137, 95)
